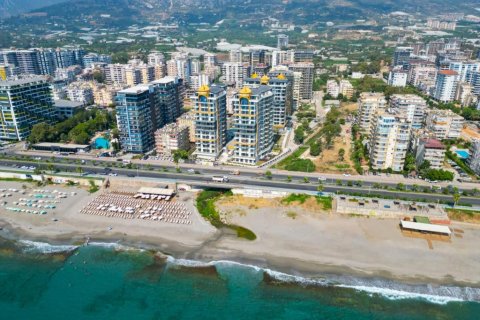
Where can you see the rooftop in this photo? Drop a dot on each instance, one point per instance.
(136, 90)
(18, 82)
(433, 144)
(67, 104)
(448, 72)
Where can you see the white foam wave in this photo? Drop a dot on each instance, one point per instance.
(43, 247)
(388, 293)
(393, 294)
(113, 245)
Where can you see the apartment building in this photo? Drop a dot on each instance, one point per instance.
(445, 124)
(346, 89)
(369, 104)
(306, 81)
(413, 106)
(234, 73)
(188, 120)
(397, 78)
(24, 103)
(333, 89)
(389, 141)
(210, 112)
(446, 85)
(253, 124)
(171, 138)
(80, 92)
(431, 150)
(283, 95)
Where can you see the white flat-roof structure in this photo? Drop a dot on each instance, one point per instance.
(157, 191)
(425, 227)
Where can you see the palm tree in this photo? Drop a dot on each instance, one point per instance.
(320, 188)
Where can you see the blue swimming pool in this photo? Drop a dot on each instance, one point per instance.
(102, 143)
(462, 154)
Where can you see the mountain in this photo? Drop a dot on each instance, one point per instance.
(14, 7)
(74, 14)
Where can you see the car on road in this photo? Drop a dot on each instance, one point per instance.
(191, 171)
(130, 175)
(113, 174)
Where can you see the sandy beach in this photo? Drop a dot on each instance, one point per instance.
(292, 239)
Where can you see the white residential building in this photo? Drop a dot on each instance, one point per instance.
(389, 141)
(171, 138)
(253, 123)
(80, 92)
(210, 109)
(413, 106)
(397, 78)
(431, 150)
(333, 88)
(445, 124)
(446, 85)
(369, 105)
(234, 73)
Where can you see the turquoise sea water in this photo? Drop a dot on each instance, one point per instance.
(38, 281)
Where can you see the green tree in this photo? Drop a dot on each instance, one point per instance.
(268, 174)
(410, 164)
(456, 198)
(180, 154)
(341, 154)
(320, 187)
(299, 136)
(306, 180)
(315, 149)
(289, 179)
(400, 187)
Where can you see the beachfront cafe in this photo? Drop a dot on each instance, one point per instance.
(425, 228)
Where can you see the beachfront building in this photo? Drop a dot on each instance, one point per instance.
(415, 107)
(253, 124)
(389, 141)
(282, 90)
(24, 103)
(445, 124)
(171, 138)
(431, 150)
(168, 92)
(210, 110)
(369, 104)
(134, 118)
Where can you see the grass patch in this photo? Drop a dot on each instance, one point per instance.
(464, 215)
(243, 232)
(325, 201)
(16, 180)
(93, 187)
(294, 163)
(292, 215)
(301, 198)
(206, 207)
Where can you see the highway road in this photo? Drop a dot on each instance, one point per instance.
(203, 178)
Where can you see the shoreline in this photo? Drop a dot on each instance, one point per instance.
(311, 256)
(308, 270)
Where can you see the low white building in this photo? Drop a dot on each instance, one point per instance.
(397, 78)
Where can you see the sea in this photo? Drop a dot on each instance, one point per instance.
(111, 281)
